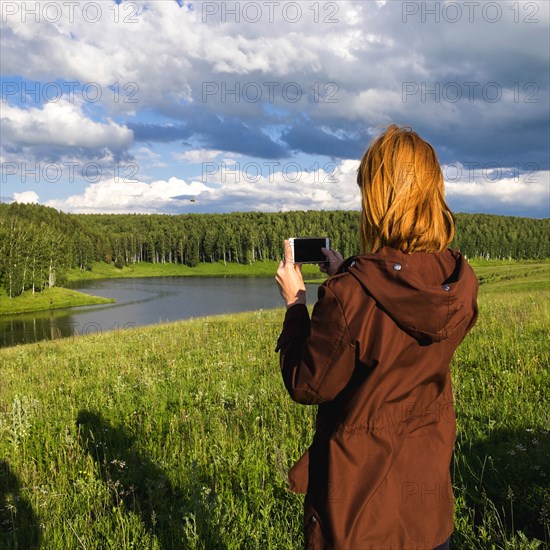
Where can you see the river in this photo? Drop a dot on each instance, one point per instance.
(143, 301)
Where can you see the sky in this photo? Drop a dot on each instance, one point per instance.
(170, 106)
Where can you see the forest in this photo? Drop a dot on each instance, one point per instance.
(39, 244)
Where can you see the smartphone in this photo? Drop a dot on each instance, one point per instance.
(307, 250)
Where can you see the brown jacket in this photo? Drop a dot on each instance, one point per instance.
(375, 358)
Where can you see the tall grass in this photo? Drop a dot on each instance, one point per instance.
(47, 299)
(180, 435)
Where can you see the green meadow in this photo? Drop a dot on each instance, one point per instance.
(180, 435)
(53, 298)
(102, 270)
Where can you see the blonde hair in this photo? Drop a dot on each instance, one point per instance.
(403, 198)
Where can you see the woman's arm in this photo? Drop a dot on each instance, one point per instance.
(317, 356)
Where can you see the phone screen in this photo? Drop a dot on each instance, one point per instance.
(308, 250)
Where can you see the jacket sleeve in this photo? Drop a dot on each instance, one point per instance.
(317, 356)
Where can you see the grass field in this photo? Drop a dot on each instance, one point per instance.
(53, 298)
(180, 435)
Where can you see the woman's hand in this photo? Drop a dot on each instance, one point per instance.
(290, 280)
(334, 259)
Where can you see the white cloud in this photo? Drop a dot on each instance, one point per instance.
(368, 49)
(146, 155)
(61, 124)
(230, 161)
(26, 197)
(121, 195)
(481, 188)
(360, 45)
(196, 156)
(229, 189)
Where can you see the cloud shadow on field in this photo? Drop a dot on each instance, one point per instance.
(506, 473)
(18, 523)
(143, 487)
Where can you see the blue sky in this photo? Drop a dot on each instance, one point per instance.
(173, 106)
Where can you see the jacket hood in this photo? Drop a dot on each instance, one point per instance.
(431, 296)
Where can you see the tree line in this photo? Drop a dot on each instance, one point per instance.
(39, 244)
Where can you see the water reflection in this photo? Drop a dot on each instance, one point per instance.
(50, 325)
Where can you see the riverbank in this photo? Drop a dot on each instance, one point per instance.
(516, 273)
(189, 424)
(101, 270)
(485, 269)
(59, 297)
(52, 298)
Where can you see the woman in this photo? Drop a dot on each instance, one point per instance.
(375, 357)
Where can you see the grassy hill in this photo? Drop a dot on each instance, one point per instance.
(180, 435)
